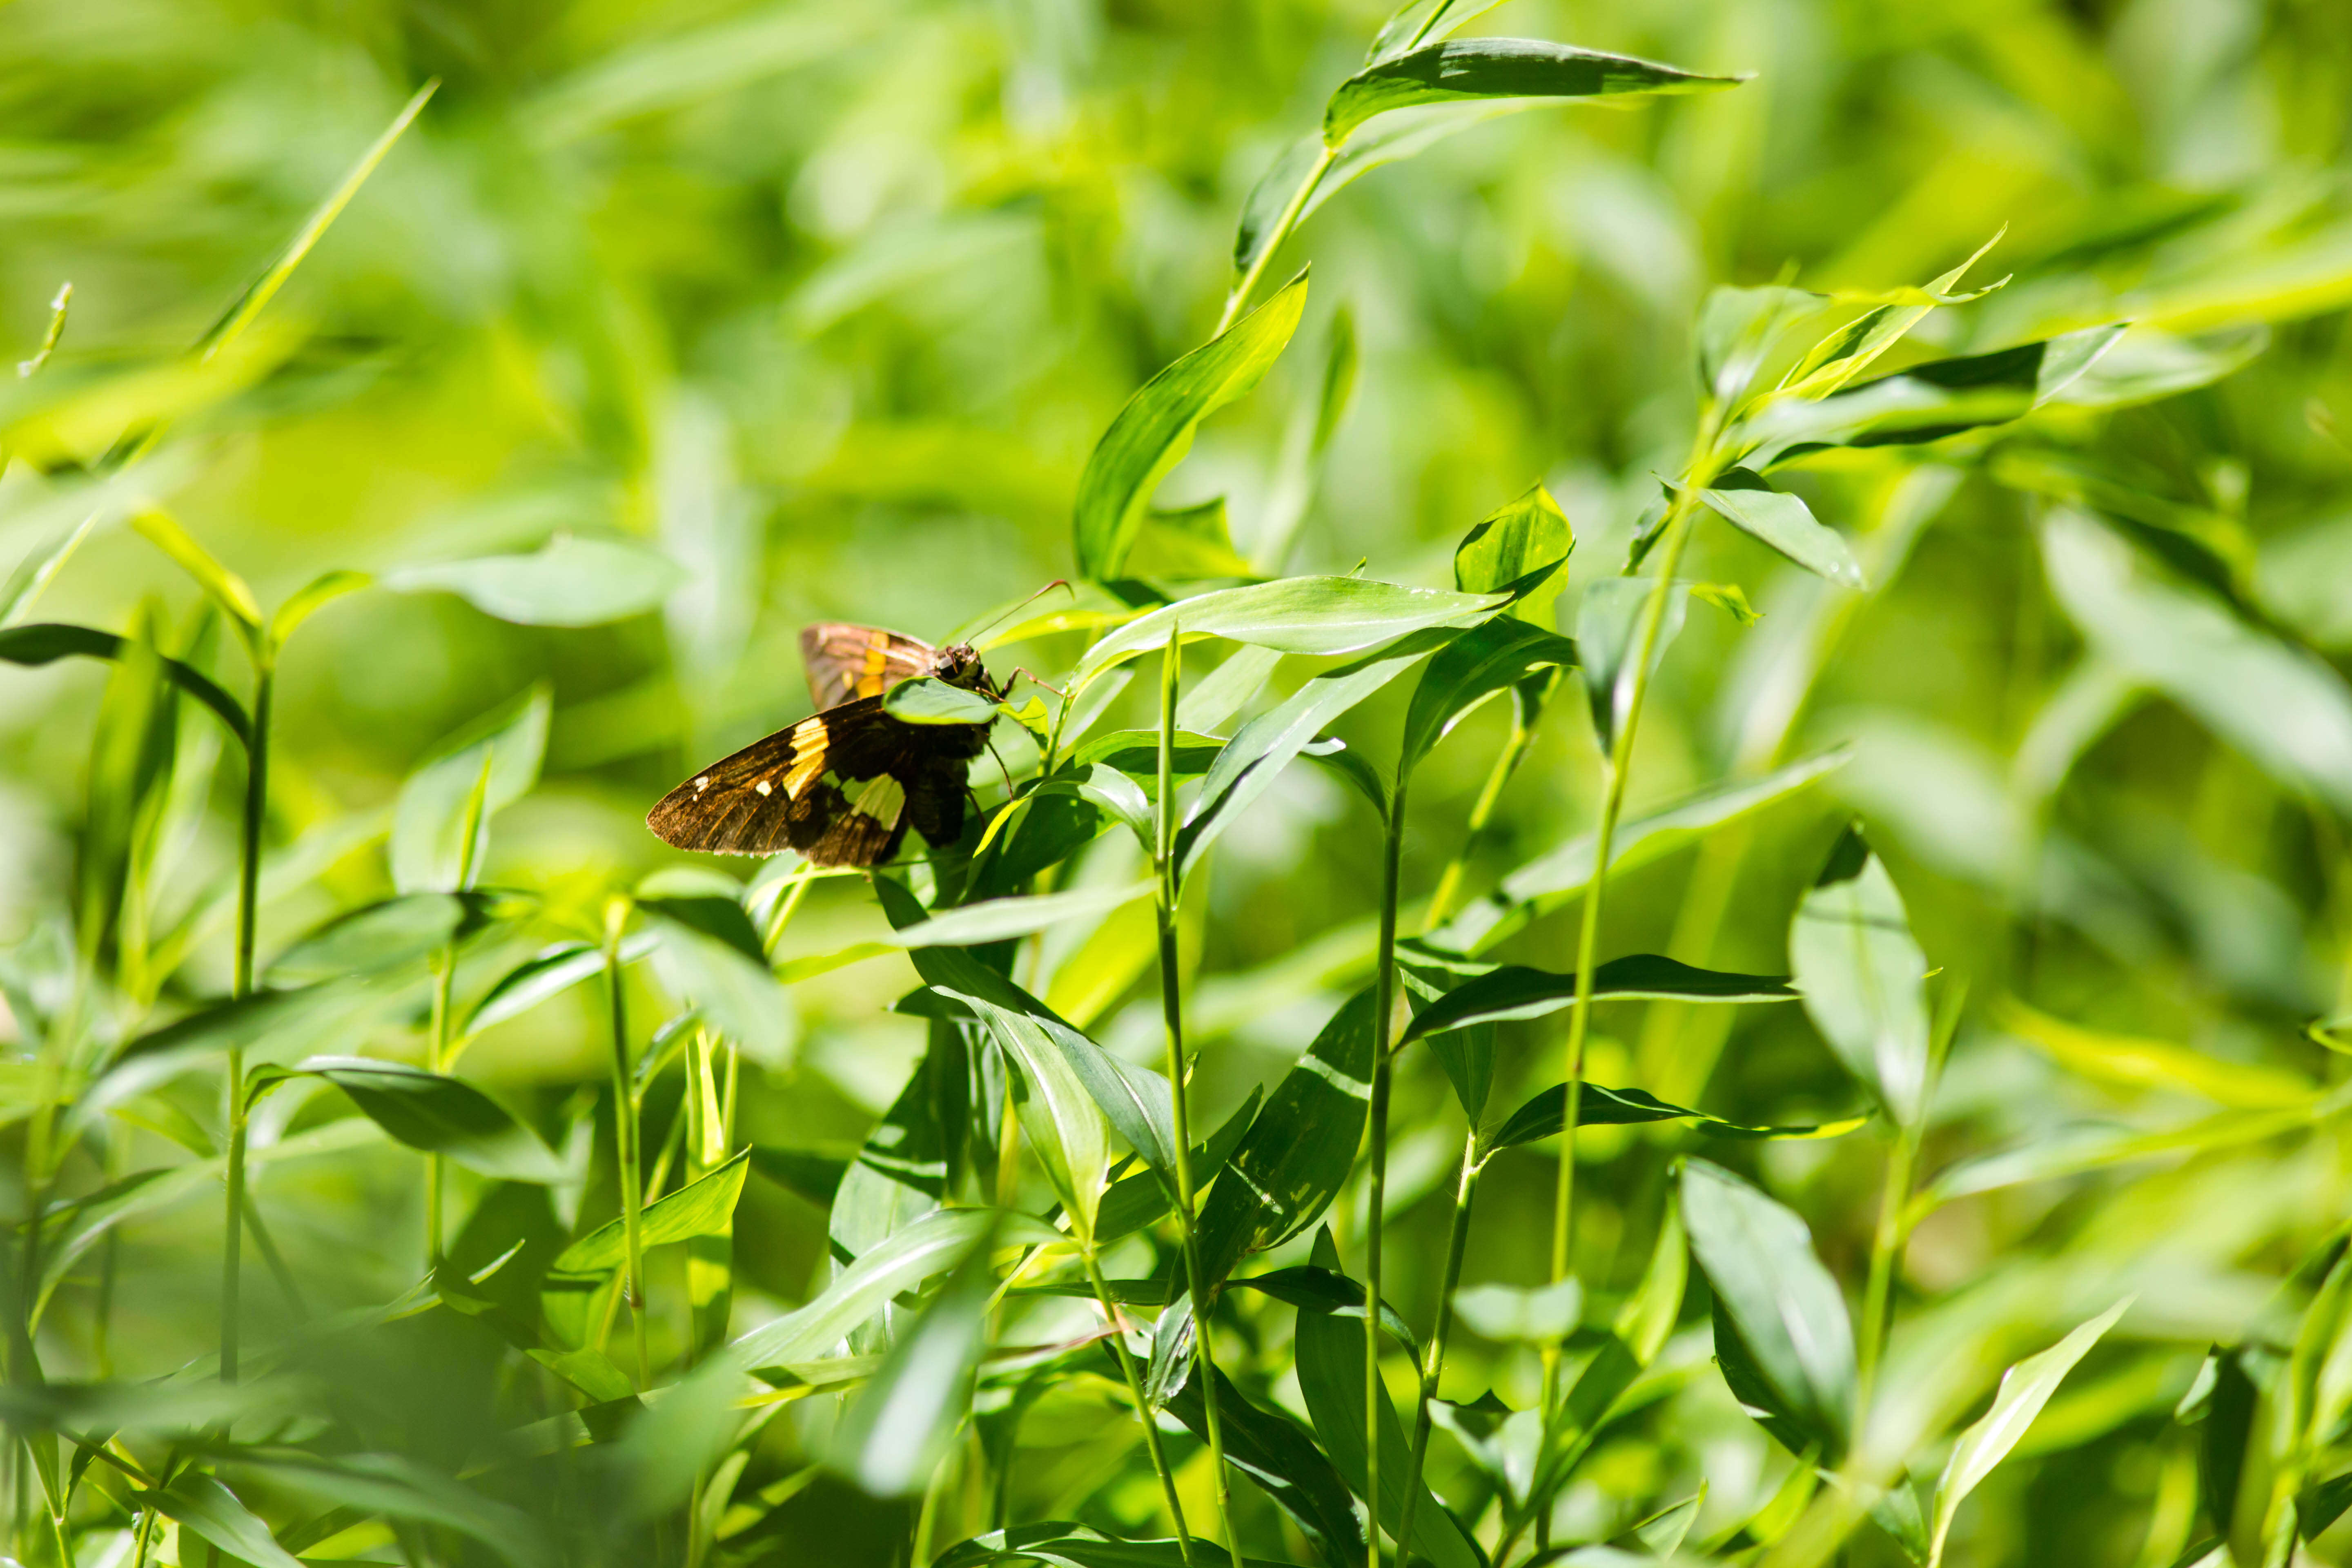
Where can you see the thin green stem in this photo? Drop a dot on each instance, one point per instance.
(625, 1138)
(1457, 1242)
(1172, 1006)
(1886, 1256)
(1143, 1405)
(1239, 299)
(1383, 1005)
(1615, 768)
(445, 977)
(1449, 883)
(249, 891)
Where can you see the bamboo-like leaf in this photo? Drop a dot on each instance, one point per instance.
(705, 1207)
(895, 1433)
(707, 950)
(1284, 1461)
(1853, 348)
(1522, 547)
(439, 1115)
(2025, 1388)
(206, 1509)
(1608, 625)
(1546, 1112)
(568, 582)
(392, 1486)
(311, 597)
(1155, 429)
(547, 972)
(1781, 521)
(1483, 662)
(1516, 991)
(1864, 975)
(387, 935)
(1067, 1544)
(1759, 1258)
(1498, 67)
(998, 920)
(1297, 614)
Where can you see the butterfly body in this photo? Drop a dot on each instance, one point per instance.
(845, 784)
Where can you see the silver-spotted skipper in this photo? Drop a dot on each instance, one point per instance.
(843, 786)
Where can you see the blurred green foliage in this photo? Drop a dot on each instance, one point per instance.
(829, 303)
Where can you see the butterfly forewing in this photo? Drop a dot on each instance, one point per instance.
(845, 662)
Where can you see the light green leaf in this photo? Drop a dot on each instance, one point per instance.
(2287, 711)
(547, 972)
(927, 700)
(1736, 329)
(428, 825)
(1552, 879)
(2025, 1388)
(1851, 350)
(707, 950)
(912, 1254)
(1759, 1258)
(307, 600)
(894, 1434)
(705, 1207)
(1498, 67)
(223, 586)
(998, 920)
(205, 1507)
(1187, 544)
(396, 1487)
(1520, 539)
(1418, 22)
(1155, 429)
(400, 931)
(1297, 614)
(567, 581)
(1864, 975)
(1781, 521)
(1608, 625)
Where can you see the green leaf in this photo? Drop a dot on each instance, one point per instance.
(45, 641)
(1146, 1196)
(1259, 751)
(1297, 614)
(439, 1115)
(1554, 878)
(1187, 544)
(223, 586)
(1418, 22)
(392, 1486)
(1736, 331)
(707, 950)
(547, 972)
(1759, 1258)
(311, 597)
(1312, 1288)
(927, 700)
(999, 919)
(567, 581)
(264, 1023)
(1864, 976)
(1522, 546)
(1270, 1449)
(1781, 521)
(1507, 1314)
(705, 1207)
(387, 935)
(1155, 429)
(931, 1245)
(1070, 1545)
(428, 825)
(1498, 67)
(1516, 991)
(2287, 711)
(1608, 625)
(1848, 351)
(1298, 1154)
(1728, 597)
(1483, 662)
(894, 1434)
(1546, 1112)
(2025, 1388)
(1330, 1351)
(205, 1507)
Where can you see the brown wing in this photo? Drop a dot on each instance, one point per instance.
(841, 786)
(845, 662)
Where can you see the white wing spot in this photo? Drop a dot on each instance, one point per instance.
(762, 787)
(702, 784)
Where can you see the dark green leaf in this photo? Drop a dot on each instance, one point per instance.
(1759, 1258)
(1516, 991)
(1498, 67)
(814, 1173)
(46, 642)
(1547, 1110)
(1298, 1154)
(440, 1115)
(1071, 1545)
(1155, 429)
(1483, 662)
(1311, 1289)
(1285, 1464)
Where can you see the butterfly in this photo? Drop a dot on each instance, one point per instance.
(843, 786)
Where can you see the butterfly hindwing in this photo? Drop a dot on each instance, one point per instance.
(842, 787)
(845, 662)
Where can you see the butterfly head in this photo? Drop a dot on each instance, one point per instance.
(958, 665)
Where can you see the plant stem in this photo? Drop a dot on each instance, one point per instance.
(1885, 1253)
(1172, 1006)
(437, 1061)
(1383, 1004)
(1449, 883)
(248, 890)
(1614, 769)
(1143, 1405)
(625, 1138)
(1239, 297)
(1457, 1241)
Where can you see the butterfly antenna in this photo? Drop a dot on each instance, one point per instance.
(994, 621)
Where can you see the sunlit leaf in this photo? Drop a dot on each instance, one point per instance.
(930, 701)
(568, 582)
(1498, 67)
(896, 1430)
(1516, 991)
(1609, 621)
(1863, 975)
(439, 1115)
(1155, 429)
(704, 1206)
(1546, 1113)
(1784, 522)
(209, 1511)
(1483, 662)
(1297, 614)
